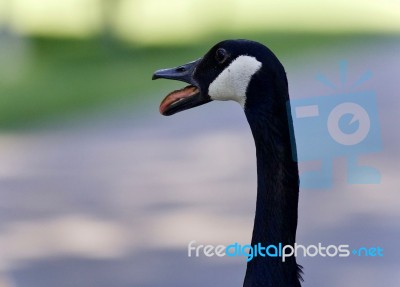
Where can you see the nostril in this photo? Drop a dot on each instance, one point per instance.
(181, 69)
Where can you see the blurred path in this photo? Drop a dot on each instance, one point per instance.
(114, 200)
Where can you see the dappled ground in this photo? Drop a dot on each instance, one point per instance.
(114, 200)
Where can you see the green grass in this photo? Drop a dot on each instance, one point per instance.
(65, 77)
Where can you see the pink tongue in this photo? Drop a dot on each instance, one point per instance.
(175, 96)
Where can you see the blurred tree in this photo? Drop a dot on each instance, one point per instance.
(108, 10)
(6, 17)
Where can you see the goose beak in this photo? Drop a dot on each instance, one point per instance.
(183, 99)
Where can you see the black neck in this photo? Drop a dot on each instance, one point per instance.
(277, 194)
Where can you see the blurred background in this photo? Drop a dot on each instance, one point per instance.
(98, 189)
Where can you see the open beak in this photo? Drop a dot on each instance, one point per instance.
(183, 99)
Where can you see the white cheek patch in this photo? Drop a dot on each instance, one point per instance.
(232, 83)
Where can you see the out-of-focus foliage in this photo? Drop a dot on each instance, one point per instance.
(61, 57)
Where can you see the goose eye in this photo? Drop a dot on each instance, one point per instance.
(221, 55)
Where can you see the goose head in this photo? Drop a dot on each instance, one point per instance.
(239, 70)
